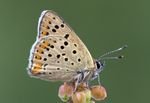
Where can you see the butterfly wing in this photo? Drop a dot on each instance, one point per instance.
(58, 53)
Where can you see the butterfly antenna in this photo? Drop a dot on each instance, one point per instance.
(103, 57)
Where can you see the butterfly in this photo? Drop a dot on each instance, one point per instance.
(58, 54)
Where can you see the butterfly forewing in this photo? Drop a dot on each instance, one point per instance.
(58, 53)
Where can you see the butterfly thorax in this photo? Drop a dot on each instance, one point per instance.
(86, 75)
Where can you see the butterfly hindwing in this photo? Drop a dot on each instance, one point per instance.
(54, 54)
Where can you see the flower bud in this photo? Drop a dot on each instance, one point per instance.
(98, 92)
(82, 96)
(65, 92)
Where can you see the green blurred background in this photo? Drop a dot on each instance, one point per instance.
(103, 25)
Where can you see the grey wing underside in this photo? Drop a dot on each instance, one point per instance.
(63, 60)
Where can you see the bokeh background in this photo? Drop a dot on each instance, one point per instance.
(103, 25)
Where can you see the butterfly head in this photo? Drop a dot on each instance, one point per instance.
(99, 65)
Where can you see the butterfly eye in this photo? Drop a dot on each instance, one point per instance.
(98, 65)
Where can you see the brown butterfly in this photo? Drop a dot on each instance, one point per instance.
(58, 54)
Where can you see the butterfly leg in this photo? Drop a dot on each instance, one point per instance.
(76, 83)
